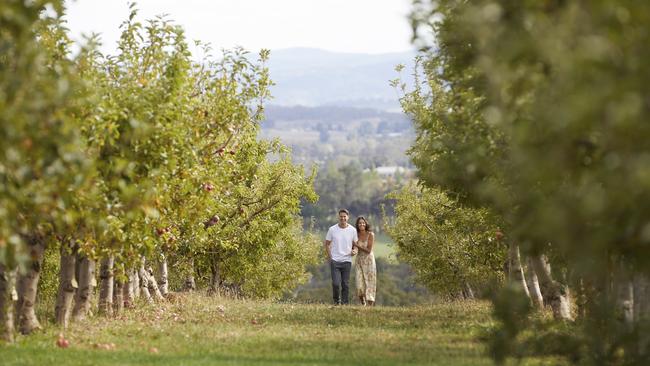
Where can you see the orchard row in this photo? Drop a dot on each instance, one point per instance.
(137, 160)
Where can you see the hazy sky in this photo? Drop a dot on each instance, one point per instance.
(363, 26)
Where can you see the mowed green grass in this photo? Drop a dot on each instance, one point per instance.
(200, 330)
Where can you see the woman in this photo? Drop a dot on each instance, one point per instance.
(366, 270)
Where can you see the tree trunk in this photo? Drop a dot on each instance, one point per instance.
(190, 284)
(136, 283)
(153, 285)
(144, 284)
(162, 269)
(118, 296)
(581, 299)
(27, 287)
(215, 278)
(533, 287)
(555, 294)
(86, 282)
(232, 290)
(106, 282)
(468, 292)
(625, 300)
(515, 270)
(67, 285)
(624, 292)
(129, 288)
(642, 310)
(7, 297)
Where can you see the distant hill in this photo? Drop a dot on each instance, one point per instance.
(313, 77)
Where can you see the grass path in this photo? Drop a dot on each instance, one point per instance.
(198, 330)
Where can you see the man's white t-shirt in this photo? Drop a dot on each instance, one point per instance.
(341, 239)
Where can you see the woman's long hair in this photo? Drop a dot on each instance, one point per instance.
(356, 224)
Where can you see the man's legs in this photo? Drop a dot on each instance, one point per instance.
(346, 268)
(336, 281)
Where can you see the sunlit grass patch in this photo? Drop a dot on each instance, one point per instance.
(199, 330)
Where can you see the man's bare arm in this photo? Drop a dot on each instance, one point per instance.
(328, 248)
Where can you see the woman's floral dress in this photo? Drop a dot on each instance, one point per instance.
(366, 273)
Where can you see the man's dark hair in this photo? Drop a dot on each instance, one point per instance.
(344, 211)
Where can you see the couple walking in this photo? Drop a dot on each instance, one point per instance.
(341, 243)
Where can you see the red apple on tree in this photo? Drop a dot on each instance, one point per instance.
(498, 235)
(208, 187)
(213, 221)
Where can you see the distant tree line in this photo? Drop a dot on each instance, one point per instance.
(332, 113)
(349, 186)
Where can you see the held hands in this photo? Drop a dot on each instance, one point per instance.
(355, 249)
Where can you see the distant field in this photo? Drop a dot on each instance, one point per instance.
(384, 247)
(201, 330)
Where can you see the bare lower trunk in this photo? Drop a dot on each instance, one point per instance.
(468, 292)
(136, 283)
(106, 285)
(625, 301)
(27, 287)
(7, 297)
(581, 299)
(533, 287)
(67, 285)
(215, 278)
(86, 282)
(624, 292)
(162, 269)
(232, 290)
(642, 310)
(515, 270)
(129, 288)
(118, 296)
(154, 289)
(190, 284)
(144, 283)
(555, 294)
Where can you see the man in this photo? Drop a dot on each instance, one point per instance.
(340, 241)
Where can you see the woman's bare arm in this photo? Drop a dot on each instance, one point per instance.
(371, 241)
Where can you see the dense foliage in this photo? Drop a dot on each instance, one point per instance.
(538, 112)
(43, 164)
(451, 247)
(147, 153)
